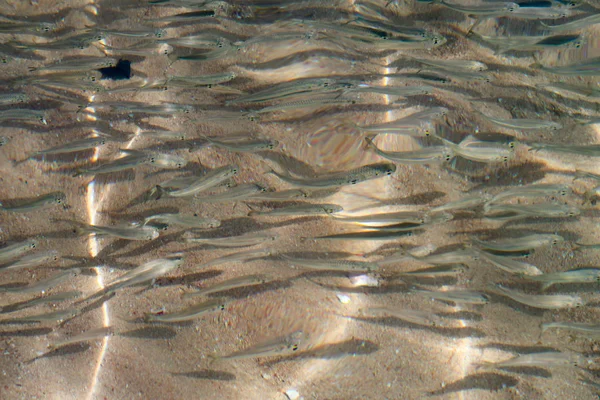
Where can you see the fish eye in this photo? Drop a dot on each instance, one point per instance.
(577, 45)
(511, 145)
(4, 60)
(152, 160)
(93, 78)
(33, 245)
(294, 347)
(427, 132)
(448, 157)
(389, 172)
(571, 214)
(222, 307)
(435, 41)
(505, 158)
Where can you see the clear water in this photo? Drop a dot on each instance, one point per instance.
(345, 350)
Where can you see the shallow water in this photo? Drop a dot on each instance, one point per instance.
(344, 353)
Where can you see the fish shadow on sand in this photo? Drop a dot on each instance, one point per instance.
(150, 332)
(513, 348)
(209, 374)
(400, 287)
(530, 371)
(466, 332)
(67, 350)
(252, 290)
(26, 332)
(486, 381)
(352, 347)
(188, 279)
(530, 172)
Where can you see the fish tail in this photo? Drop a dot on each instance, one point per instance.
(213, 359)
(536, 146)
(172, 58)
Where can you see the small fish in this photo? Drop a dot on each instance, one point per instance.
(51, 316)
(411, 316)
(403, 91)
(247, 146)
(32, 260)
(16, 250)
(473, 149)
(126, 232)
(530, 43)
(575, 25)
(281, 346)
(92, 334)
(523, 123)
(338, 179)
(45, 284)
(161, 160)
(587, 67)
(205, 182)
(453, 64)
(313, 103)
(80, 63)
(234, 283)
(364, 235)
(519, 211)
(236, 193)
(467, 202)
(539, 190)
(301, 210)
(588, 150)
(13, 98)
(542, 360)
(518, 244)
(247, 255)
(188, 314)
(39, 203)
(455, 296)
(492, 9)
(384, 219)
(435, 272)
(187, 221)
(283, 195)
(590, 330)
(146, 272)
(234, 241)
(426, 155)
(547, 302)
(460, 256)
(202, 80)
(74, 146)
(507, 264)
(581, 275)
(331, 264)
(118, 165)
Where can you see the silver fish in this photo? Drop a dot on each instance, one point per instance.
(51, 316)
(332, 264)
(205, 182)
(236, 193)
(237, 257)
(32, 260)
(92, 334)
(187, 221)
(539, 190)
(507, 264)
(122, 232)
(455, 296)
(339, 179)
(548, 302)
(411, 316)
(281, 346)
(523, 243)
(39, 203)
(188, 314)
(234, 283)
(45, 284)
(426, 155)
(300, 210)
(16, 250)
(581, 275)
(243, 146)
(523, 123)
(233, 241)
(589, 330)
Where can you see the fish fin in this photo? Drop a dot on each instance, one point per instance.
(213, 359)
(546, 286)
